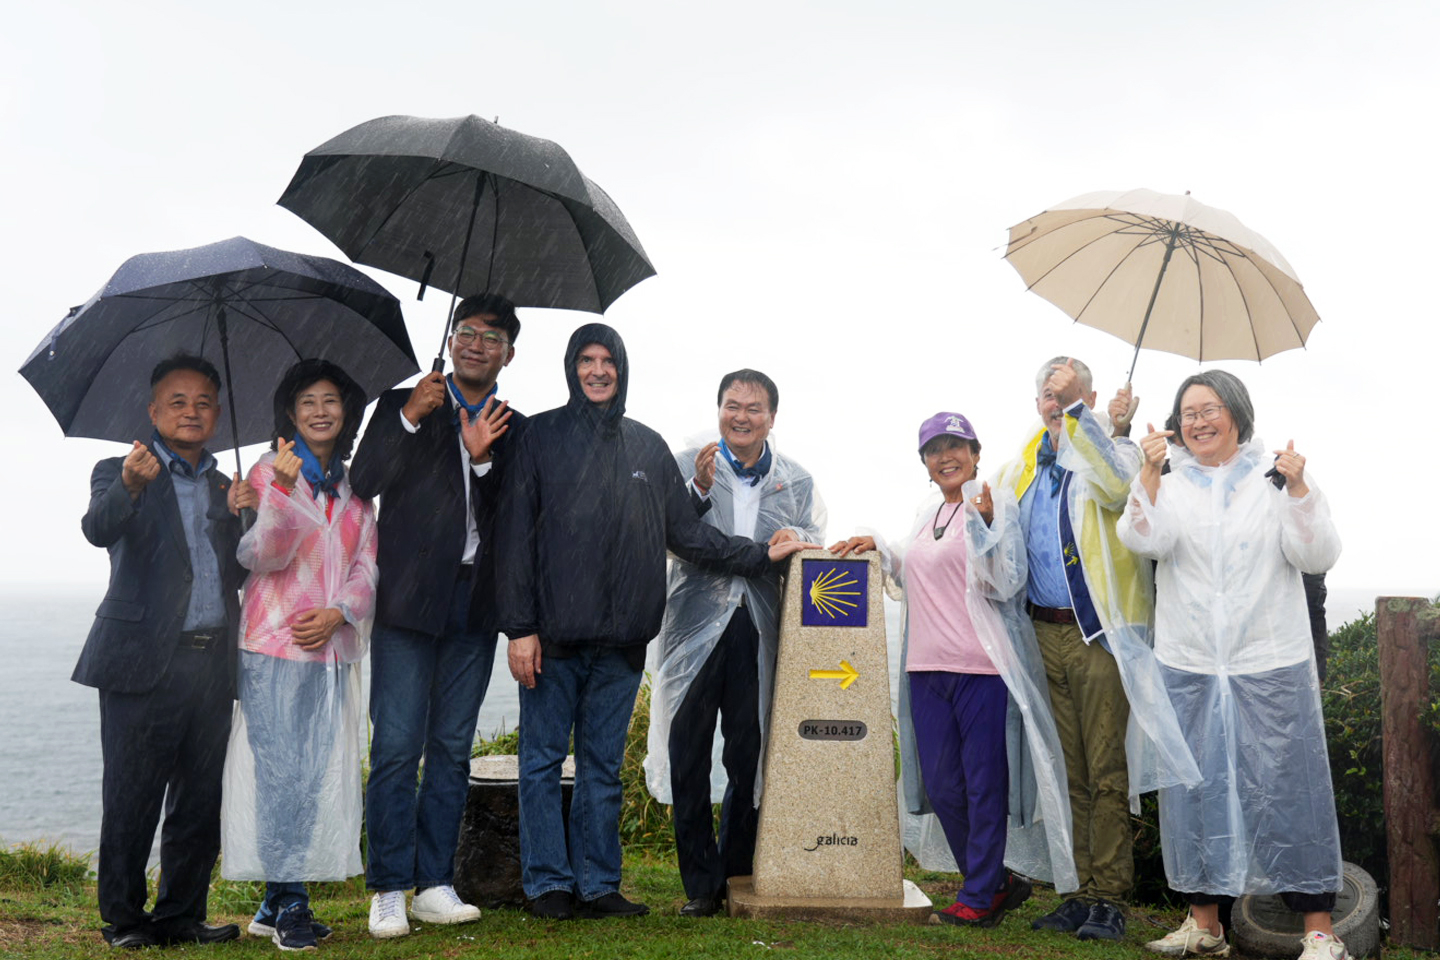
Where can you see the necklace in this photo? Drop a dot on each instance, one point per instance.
(940, 531)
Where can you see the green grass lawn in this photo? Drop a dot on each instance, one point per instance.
(61, 921)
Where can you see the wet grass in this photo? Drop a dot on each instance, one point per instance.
(61, 921)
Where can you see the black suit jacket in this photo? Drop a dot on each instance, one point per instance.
(420, 480)
(138, 623)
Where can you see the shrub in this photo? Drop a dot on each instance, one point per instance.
(35, 866)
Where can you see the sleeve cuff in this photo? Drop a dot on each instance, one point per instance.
(409, 427)
(702, 494)
(480, 469)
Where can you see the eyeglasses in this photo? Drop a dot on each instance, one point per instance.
(1209, 413)
(489, 339)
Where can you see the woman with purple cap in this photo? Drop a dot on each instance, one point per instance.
(966, 657)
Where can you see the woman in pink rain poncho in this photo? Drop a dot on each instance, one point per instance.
(292, 776)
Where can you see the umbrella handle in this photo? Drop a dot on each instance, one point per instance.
(439, 365)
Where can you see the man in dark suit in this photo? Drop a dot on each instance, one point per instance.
(435, 455)
(162, 653)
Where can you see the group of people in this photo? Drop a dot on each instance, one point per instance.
(1110, 617)
(1132, 614)
(553, 529)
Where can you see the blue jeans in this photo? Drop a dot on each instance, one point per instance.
(276, 896)
(592, 693)
(425, 696)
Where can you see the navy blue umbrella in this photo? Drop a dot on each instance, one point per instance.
(250, 309)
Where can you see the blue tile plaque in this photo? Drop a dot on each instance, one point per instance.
(833, 593)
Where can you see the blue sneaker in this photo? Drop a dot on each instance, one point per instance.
(293, 927)
(263, 925)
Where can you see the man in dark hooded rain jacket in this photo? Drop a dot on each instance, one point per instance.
(593, 501)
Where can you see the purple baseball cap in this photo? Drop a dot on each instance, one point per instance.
(946, 424)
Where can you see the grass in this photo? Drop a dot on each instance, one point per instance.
(61, 921)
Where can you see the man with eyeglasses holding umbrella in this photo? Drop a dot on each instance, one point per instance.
(435, 455)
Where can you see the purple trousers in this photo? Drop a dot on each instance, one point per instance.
(960, 735)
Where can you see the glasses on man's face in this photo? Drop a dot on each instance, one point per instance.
(489, 339)
(1207, 413)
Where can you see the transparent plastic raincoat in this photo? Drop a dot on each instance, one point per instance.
(1037, 840)
(700, 603)
(1120, 588)
(1233, 638)
(291, 805)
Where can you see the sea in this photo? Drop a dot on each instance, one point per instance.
(50, 727)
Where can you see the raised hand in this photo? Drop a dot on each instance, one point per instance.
(985, 504)
(314, 628)
(1155, 446)
(1291, 466)
(1064, 383)
(1122, 409)
(140, 467)
(705, 466)
(855, 545)
(287, 464)
(480, 432)
(242, 496)
(425, 398)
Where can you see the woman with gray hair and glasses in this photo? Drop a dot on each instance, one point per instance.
(1231, 528)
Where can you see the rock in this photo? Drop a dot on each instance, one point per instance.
(487, 857)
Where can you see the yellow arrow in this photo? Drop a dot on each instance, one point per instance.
(846, 674)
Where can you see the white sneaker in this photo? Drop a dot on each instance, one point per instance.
(1191, 940)
(442, 905)
(1322, 946)
(387, 915)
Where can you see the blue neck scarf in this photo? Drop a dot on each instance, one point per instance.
(179, 464)
(320, 480)
(473, 408)
(749, 475)
(1045, 457)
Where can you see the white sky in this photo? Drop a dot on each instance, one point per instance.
(824, 189)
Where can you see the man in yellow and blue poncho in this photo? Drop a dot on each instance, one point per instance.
(1092, 604)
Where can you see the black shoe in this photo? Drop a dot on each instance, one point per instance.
(611, 905)
(1105, 922)
(555, 905)
(194, 931)
(1066, 918)
(702, 907)
(1015, 892)
(136, 939)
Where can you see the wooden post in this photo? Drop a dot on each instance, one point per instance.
(1404, 626)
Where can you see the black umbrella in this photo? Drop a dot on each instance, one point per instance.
(470, 207)
(250, 309)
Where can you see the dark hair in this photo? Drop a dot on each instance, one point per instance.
(492, 305)
(754, 378)
(1231, 392)
(945, 441)
(184, 361)
(307, 373)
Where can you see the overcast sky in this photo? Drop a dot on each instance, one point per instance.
(823, 187)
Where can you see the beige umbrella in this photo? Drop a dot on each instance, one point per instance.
(1164, 272)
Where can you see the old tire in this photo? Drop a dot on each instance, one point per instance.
(1261, 926)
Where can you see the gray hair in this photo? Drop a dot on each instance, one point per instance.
(1082, 371)
(1231, 392)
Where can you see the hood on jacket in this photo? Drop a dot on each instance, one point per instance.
(605, 419)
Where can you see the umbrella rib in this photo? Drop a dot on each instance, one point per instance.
(1061, 262)
(434, 174)
(1101, 285)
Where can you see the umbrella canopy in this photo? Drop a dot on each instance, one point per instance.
(470, 207)
(250, 309)
(1164, 272)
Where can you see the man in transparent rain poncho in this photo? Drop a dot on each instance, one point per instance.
(1091, 601)
(716, 650)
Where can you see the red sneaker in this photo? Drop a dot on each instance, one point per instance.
(964, 915)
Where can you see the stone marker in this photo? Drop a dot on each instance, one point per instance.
(829, 835)
(487, 855)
